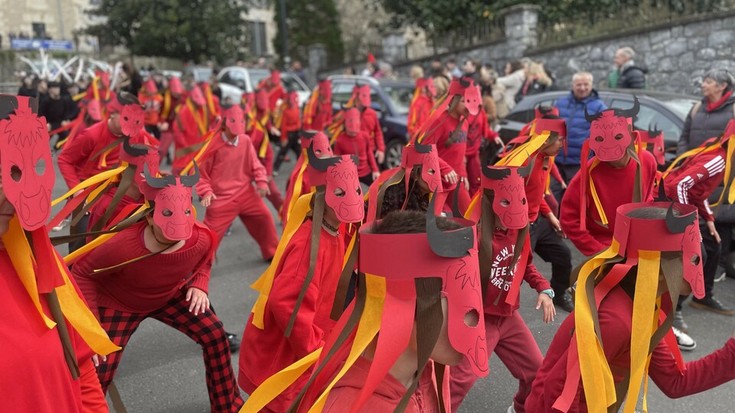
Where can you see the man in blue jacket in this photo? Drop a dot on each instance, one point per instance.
(571, 109)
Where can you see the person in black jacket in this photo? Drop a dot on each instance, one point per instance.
(630, 74)
(56, 108)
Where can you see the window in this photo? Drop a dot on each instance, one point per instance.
(258, 38)
(39, 30)
(400, 96)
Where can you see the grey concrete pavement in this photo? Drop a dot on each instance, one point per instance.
(162, 370)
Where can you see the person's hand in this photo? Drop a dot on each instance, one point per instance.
(275, 131)
(451, 177)
(207, 200)
(713, 231)
(198, 300)
(563, 185)
(376, 175)
(499, 142)
(96, 359)
(546, 304)
(163, 126)
(64, 122)
(379, 156)
(263, 192)
(556, 225)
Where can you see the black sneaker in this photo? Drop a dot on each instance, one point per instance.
(564, 301)
(711, 304)
(233, 341)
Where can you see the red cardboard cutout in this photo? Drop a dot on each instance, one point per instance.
(509, 194)
(234, 119)
(352, 121)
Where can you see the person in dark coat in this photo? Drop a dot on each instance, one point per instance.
(709, 117)
(630, 74)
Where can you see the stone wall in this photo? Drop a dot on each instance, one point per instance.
(677, 56)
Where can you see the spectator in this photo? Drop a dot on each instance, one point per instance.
(453, 69)
(441, 84)
(537, 81)
(512, 81)
(437, 69)
(627, 75)
(298, 69)
(469, 69)
(709, 117)
(27, 87)
(486, 90)
(572, 109)
(136, 81)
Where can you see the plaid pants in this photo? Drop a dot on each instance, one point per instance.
(206, 329)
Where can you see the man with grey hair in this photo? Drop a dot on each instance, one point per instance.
(628, 74)
(572, 108)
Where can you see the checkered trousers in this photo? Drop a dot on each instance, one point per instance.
(206, 329)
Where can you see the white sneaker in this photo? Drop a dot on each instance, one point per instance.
(685, 342)
(511, 409)
(721, 276)
(61, 225)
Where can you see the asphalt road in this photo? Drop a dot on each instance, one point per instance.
(162, 370)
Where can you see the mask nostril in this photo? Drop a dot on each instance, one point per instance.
(472, 318)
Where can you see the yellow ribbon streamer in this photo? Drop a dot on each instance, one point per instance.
(100, 177)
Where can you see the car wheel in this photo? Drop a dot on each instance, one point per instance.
(393, 153)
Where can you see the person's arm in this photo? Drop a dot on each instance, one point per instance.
(203, 269)
(204, 187)
(378, 133)
(570, 220)
(106, 255)
(74, 155)
(306, 335)
(696, 173)
(257, 170)
(700, 375)
(370, 156)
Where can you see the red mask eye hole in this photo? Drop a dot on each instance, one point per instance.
(504, 203)
(472, 318)
(359, 191)
(167, 213)
(339, 192)
(523, 201)
(125, 118)
(695, 260)
(599, 139)
(430, 171)
(187, 212)
(16, 173)
(619, 136)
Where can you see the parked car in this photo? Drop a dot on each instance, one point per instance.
(199, 73)
(236, 80)
(390, 98)
(659, 110)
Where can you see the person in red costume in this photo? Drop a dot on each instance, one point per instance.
(172, 100)
(353, 141)
(193, 121)
(299, 291)
(115, 279)
(478, 130)
(298, 182)
(418, 317)
(610, 175)
(290, 126)
(691, 179)
(421, 104)
(505, 262)
(40, 326)
(318, 110)
(274, 89)
(606, 348)
(369, 121)
(151, 101)
(233, 183)
(447, 129)
(261, 129)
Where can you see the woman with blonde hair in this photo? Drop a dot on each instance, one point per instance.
(417, 72)
(537, 81)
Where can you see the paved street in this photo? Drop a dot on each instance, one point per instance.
(162, 370)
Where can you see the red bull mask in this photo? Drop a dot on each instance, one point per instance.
(361, 93)
(150, 87)
(132, 120)
(27, 169)
(94, 110)
(325, 91)
(172, 196)
(275, 78)
(653, 141)
(197, 96)
(318, 141)
(352, 121)
(425, 156)
(342, 190)
(611, 132)
(509, 194)
(234, 119)
(175, 86)
(261, 99)
(293, 99)
(470, 93)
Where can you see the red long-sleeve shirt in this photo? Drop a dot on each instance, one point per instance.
(230, 170)
(371, 126)
(477, 130)
(615, 315)
(418, 112)
(502, 275)
(188, 133)
(145, 285)
(269, 350)
(451, 142)
(695, 180)
(357, 145)
(614, 188)
(290, 122)
(77, 160)
(322, 117)
(35, 375)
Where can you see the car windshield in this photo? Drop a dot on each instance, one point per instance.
(401, 96)
(680, 106)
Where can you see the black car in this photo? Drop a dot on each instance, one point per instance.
(662, 111)
(390, 98)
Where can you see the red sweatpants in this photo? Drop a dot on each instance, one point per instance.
(167, 138)
(473, 172)
(510, 338)
(254, 215)
(275, 196)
